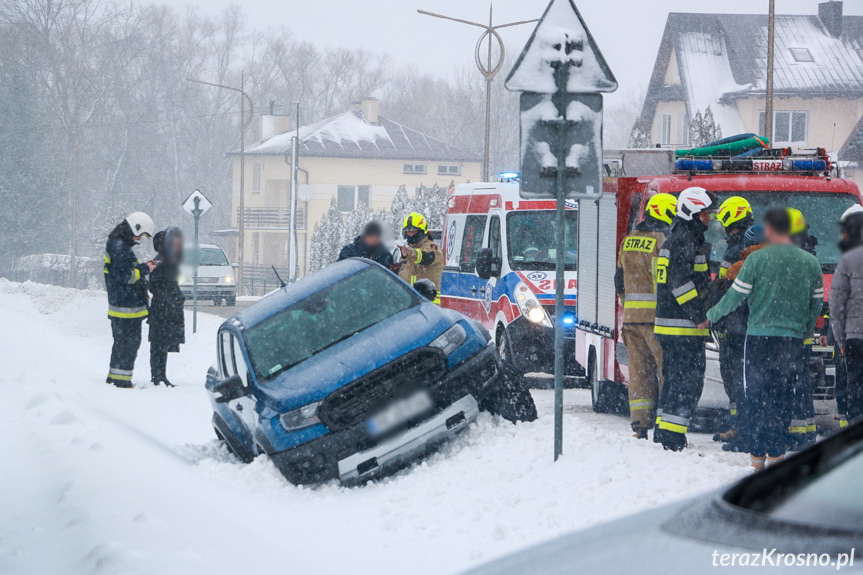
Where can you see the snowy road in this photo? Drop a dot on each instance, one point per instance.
(100, 480)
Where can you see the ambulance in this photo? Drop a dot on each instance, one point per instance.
(500, 270)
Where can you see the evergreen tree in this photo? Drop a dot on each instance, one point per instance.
(703, 129)
(639, 137)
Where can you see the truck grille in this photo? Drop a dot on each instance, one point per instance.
(350, 405)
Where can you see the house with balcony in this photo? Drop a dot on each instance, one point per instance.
(720, 61)
(355, 157)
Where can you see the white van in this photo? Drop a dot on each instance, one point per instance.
(500, 269)
(216, 280)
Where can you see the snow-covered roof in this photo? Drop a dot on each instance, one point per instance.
(722, 57)
(349, 135)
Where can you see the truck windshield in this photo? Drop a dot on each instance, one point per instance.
(208, 257)
(822, 212)
(530, 239)
(325, 318)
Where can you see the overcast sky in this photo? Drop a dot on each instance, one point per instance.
(627, 31)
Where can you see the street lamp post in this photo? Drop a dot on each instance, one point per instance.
(488, 69)
(243, 127)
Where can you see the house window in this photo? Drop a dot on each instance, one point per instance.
(349, 197)
(682, 129)
(415, 169)
(449, 170)
(801, 54)
(665, 130)
(789, 128)
(256, 177)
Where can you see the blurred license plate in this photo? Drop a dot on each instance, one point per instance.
(398, 412)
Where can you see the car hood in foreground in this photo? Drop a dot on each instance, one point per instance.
(323, 373)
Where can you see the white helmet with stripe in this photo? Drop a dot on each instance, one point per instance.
(855, 209)
(694, 200)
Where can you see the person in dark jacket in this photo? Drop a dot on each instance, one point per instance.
(126, 284)
(368, 245)
(682, 278)
(167, 324)
(735, 215)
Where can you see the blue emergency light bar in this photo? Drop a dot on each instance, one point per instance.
(752, 164)
(509, 176)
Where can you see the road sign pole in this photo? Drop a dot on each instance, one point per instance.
(562, 74)
(196, 213)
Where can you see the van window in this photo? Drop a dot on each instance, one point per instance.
(228, 368)
(471, 242)
(240, 362)
(530, 237)
(494, 243)
(208, 257)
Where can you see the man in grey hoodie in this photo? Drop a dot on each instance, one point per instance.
(846, 309)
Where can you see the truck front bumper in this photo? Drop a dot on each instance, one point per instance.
(210, 291)
(352, 456)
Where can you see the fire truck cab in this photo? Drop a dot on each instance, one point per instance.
(604, 224)
(500, 269)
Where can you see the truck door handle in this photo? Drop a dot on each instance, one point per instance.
(473, 290)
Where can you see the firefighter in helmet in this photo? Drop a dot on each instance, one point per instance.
(634, 283)
(681, 315)
(735, 215)
(421, 258)
(802, 428)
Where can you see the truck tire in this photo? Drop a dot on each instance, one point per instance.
(511, 398)
(231, 301)
(234, 447)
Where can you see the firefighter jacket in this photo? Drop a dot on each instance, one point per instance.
(125, 277)
(682, 278)
(634, 280)
(735, 322)
(425, 262)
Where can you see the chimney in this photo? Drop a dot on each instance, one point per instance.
(830, 14)
(370, 107)
(272, 125)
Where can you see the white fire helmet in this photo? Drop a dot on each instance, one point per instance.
(141, 224)
(855, 209)
(694, 200)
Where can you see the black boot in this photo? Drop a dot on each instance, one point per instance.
(163, 379)
(670, 440)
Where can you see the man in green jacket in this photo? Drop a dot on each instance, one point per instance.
(784, 288)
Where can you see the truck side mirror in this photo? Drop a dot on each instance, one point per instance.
(486, 264)
(235, 265)
(228, 389)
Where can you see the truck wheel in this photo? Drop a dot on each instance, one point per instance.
(605, 396)
(217, 302)
(231, 301)
(241, 454)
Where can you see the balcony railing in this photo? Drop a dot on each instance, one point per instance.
(272, 218)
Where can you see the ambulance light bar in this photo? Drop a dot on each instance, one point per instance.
(509, 176)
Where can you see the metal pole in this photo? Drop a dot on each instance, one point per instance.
(768, 111)
(295, 156)
(197, 215)
(488, 80)
(560, 258)
(241, 217)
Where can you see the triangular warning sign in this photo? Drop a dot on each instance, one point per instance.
(561, 26)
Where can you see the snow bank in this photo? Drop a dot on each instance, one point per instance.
(101, 480)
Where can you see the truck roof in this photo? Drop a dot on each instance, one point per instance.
(742, 182)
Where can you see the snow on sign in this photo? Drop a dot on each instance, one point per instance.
(203, 204)
(561, 74)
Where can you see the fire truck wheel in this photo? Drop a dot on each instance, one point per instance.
(605, 396)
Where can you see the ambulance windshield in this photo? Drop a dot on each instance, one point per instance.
(530, 239)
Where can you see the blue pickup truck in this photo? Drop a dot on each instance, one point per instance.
(350, 373)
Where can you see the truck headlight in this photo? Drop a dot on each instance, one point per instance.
(181, 279)
(450, 339)
(227, 279)
(530, 306)
(306, 416)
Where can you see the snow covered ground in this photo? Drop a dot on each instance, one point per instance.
(95, 479)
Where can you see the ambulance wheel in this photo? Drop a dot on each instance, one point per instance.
(503, 350)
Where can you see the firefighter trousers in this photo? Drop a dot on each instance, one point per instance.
(127, 340)
(770, 372)
(854, 379)
(802, 426)
(644, 357)
(683, 363)
(731, 368)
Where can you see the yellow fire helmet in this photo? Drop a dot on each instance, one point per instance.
(734, 210)
(416, 221)
(662, 207)
(798, 222)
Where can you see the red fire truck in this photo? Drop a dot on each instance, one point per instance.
(603, 224)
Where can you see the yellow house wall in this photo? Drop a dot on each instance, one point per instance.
(325, 175)
(677, 111)
(822, 114)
